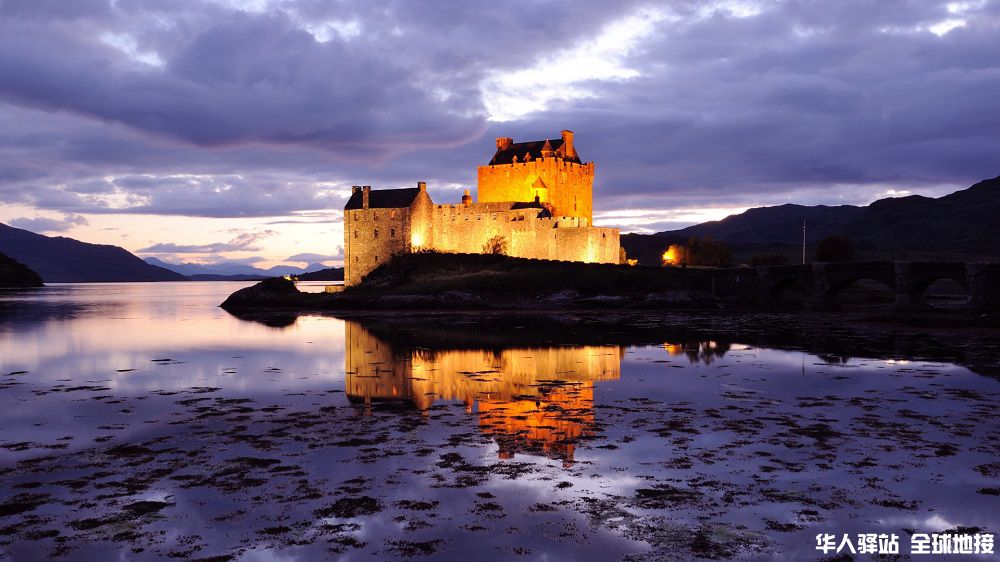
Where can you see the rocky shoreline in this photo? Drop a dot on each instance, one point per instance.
(279, 294)
(15, 274)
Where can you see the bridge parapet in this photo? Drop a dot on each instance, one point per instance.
(825, 280)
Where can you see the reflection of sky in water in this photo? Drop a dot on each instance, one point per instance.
(818, 444)
(120, 329)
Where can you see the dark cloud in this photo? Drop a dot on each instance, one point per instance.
(46, 224)
(195, 108)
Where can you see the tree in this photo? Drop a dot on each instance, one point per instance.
(496, 245)
(835, 248)
(708, 252)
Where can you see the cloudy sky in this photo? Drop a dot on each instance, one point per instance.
(207, 130)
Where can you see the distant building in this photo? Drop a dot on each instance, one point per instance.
(535, 201)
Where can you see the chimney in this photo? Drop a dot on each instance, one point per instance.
(503, 143)
(366, 192)
(355, 189)
(466, 198)
(422, 185)
(568, 150)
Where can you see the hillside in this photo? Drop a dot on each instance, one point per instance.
(65, 260)
(16, 274)
(229, 271)
(956, 226)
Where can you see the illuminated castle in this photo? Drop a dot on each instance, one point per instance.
(535, 201)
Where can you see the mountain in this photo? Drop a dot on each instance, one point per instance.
(232, 271)
(65, 260)
(15, 274)
(957, 226)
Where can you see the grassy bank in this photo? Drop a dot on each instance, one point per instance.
(502, 276)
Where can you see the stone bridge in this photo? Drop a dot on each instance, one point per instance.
(824, 281)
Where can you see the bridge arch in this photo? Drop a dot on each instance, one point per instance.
(913, 279)
(779, 289)
(832, 278)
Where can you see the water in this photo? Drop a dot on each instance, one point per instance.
(141, 422)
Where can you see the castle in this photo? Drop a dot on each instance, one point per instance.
(535, 201)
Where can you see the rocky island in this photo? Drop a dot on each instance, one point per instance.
(435, 281)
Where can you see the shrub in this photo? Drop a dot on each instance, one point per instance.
(496, 245)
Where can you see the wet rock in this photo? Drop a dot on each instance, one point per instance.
(345, 508)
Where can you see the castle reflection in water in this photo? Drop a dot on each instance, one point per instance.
(537, 400)
(534, 400)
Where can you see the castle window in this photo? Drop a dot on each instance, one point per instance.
(355, 233)
(392, 233)
(376, 233)
(376, 259)
(392, 214)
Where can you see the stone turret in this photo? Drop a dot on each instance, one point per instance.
(568, 150)
(547, 151)
(466, 198)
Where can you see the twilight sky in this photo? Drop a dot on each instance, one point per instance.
(211, 130)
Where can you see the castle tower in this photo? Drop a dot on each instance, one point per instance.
(549, 170)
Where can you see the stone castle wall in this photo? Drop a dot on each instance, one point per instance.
(569, 186)
(372, 236)
(467, 228)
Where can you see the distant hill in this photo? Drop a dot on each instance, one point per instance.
(232, 271)
(328, 274)
(65, 260)
(961, 225)
(15, 274)
(210, 277)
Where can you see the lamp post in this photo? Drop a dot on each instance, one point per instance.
(803, 242)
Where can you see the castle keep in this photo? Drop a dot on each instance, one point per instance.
(535, 200)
